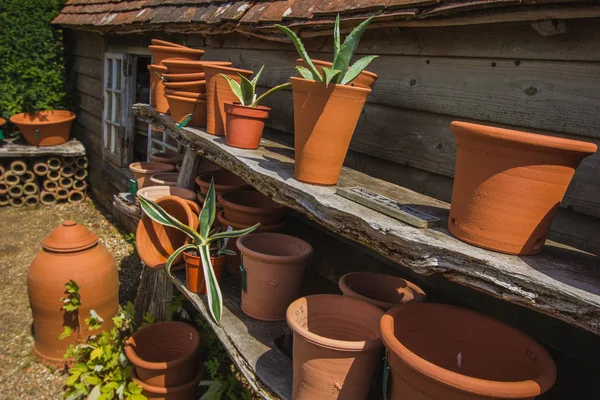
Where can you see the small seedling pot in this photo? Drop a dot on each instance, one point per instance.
(245, 125)
(142, 171)
(194, 272)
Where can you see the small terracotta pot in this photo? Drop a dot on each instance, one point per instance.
(232, 263)
(324, 122)
(44, 128)
(165, 179)
(187, 391)
(158, 42)
(164, 354)
(181, 107)
(382, 290)
(142, 171)
(155, 242)
(157, 88)
(156, 192)
(191, 95)
(337, 347)
(194, 273)
(245, 125)
(186, 66)
(191, 86)
(218, 92)
(274, 265)
(248, 207)
(365, 79)
(159, 53)
(168, 157)
(2, 122)
(437, 351)
(195, 76)
(508, 186)
(225, 181)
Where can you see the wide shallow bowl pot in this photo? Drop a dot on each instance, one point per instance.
(44, 128)
(164, 354)
(248, 207)
(437, 351)
(225, 181)
(157, 88)
(156, 192)
(382, 290)
(142, 171)
(187, 391)
(194, 272)
(365, 79)
(159, 53)
(508, 185)
(186, 66)
(337, 347)
(165, 179)
(168, 157)
(181, 107)
(245, 125)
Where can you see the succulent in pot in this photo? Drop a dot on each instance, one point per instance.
(245, 120)
(203, 239)
(326, 107)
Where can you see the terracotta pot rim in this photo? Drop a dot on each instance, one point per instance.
(185, 83)
(185, 99)
(267, 228)
(172, 190)
(239, 105)
(136, 360)
(193, 63)
(167, 390)
(172, 49)
(343, 284)
(157, 68)
(160, 42)
(323, 62)
(158, 167)
(313, 83)
(229, 69)
(335, 344)
(199, 181)
(478, 386)
(222, 198)
(527, 138)
(165, 177)
(269, 258)
(185, 77)
(182, 93)
(62, 117)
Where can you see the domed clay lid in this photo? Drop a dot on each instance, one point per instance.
(70, 237)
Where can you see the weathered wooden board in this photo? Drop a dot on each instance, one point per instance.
(86, 44)
(19, 148)
(90, 122)
(92, 142)
(89, 85)
(88, 66)
(561, 282)
(90, 104)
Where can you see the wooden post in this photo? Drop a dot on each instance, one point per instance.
(189, 168)
(154, 293)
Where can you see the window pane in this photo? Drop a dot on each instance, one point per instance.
(117, 74)
(114, 137)
(106, 135)
(108, 105)
(116, 110)
(109, 73)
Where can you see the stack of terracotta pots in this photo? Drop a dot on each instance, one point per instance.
(165, 358)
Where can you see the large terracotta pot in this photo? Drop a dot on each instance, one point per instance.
(365, 79)
(187, 391)
(191, 86)
(191, 95)
(194, 273)
(165, 179)
(156, 192)
(248, 207)
(159, 53)
(225, 181)
(337, 347)
(164, 354)
(168, 157)
(157, 88)
(186, 66)
(44, 128)
(158, 42)
(181, 107)
(508, 186)
(437, 351)
(245, 125)
(71, 251)
(324, 122)
(218, 92)
(142, 171)
(382, 290)
(194, 76)
(155, 242)
(274, 265)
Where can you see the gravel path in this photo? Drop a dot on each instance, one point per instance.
(21, 233)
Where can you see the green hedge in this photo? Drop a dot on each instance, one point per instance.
(32, 70)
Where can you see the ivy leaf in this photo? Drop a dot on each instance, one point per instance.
(97, 352)
(95, 393)
(67, 332)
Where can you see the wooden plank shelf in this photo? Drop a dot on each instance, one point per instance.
(19, 148)
(562, 282)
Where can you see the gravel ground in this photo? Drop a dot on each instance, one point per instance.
(21, 233)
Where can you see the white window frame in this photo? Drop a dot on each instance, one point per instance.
(114, 127)
(159, 145)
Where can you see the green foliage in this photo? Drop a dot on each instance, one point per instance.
(340, 72)
(32, 70)
(246, 90)
(203, 239)
(72, 301)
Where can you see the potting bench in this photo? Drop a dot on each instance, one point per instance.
(16, 147)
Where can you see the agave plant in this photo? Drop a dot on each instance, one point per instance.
(203, 241)
(340, 72)
(246, 90)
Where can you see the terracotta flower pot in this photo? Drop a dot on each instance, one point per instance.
(186, 66)
(156, 192)
(194, 274)
(365, 79)
(195, 76)
(245, 125)
(157, 88)
(248, 207)
(181, 107)
(158, 42)
(218, 92)
(44, 128)
(165, 179)
(168, 157)
(445, 352)
(508, 186)
(159, 53)
(155, 242)
(2, 122)
(142, 171)
(164, 354)
(225, 181)
(191, 95)
(191, 86)
(324, 122)
(232, 263)
(382, 290)
(337, 347)
(274, 265)
(71, 251)
(187, 391)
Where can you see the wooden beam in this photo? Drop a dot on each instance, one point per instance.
(19, 148)
(189, 168)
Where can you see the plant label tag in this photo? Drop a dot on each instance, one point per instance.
(388, 206)
(226, 240)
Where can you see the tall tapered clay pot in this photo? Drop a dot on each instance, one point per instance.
(157, 88)
(187, 66)
(160, 53)
(218, 92)
(508, 185)
(337, 347)
(181, 107)
(437, 351)
(324, 121)
(44, 128)
(70, 252)
(365, 79)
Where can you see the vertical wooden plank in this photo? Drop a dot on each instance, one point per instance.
(191, 163)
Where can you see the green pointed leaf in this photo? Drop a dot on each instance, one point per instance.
(233, 234)
(356, 68)
(213, 291)
(301, 51)
(257, 76)
(235, 88)
(270, 92)
(330, 74)
(67, 332)
(336, 38)
(247, 91)
(176, 254)
(207, 215)
(156, 213)
(228, 252)
(349, 47)
(305, 73)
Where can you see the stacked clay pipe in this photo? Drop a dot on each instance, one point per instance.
(43, 180)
